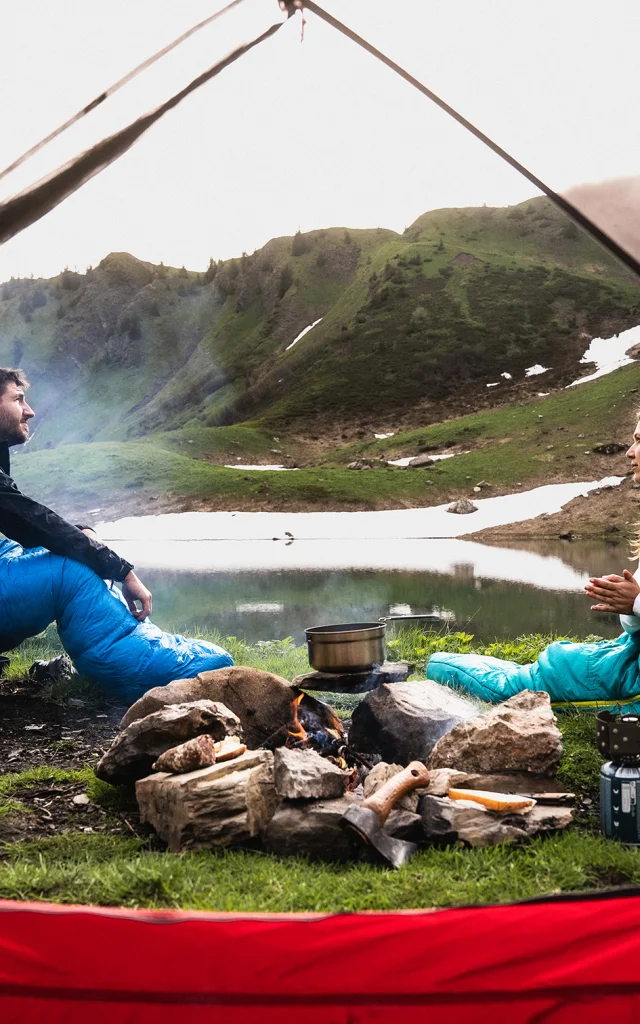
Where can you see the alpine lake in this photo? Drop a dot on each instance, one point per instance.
(261, 590)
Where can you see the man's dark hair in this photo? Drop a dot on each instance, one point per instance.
(8, 376)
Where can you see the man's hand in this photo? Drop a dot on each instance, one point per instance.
(614, 593)
(134, 590)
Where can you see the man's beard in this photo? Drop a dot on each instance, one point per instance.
(12, 433)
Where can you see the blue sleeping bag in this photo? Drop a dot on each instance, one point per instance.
(603, 674)
(98, 632)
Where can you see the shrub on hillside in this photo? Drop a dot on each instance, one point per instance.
(69, 280)
(299, 244)
(286, 280)
(569, 230)
(418, 318)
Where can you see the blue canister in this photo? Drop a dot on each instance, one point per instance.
(620, 802)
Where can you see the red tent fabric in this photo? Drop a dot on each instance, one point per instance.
(559, 962)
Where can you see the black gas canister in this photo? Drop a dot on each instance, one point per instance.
(619, 739)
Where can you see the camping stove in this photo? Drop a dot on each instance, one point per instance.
(619, 739)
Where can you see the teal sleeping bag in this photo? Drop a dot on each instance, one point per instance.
(600, 674)
(101, 636)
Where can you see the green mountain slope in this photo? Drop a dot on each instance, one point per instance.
(412, 329)
(544, 441)
(465, 296)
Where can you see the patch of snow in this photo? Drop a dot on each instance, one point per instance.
(436, 458)
(302, 333)
(609, 354)
(191, 539)
(381, 437)
(260, 606)
(543, 394)
(284, 468)
(532, 371)
(493, 385)
(507, 376)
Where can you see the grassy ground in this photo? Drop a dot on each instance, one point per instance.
(543, 441)
(113, 868)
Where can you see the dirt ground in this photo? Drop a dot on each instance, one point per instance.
(37, 733)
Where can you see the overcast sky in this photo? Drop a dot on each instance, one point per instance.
(313, 134)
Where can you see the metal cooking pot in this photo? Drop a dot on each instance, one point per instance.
(351, 646)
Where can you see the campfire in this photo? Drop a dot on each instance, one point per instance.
(243, 757)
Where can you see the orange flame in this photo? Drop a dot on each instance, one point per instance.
(296, 730)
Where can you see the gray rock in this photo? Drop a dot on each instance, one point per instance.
(611, 448)
(133, 751)
(421, 460)
(55, 670)
(462, 507)
(449, 821)
(523, 783)
(405, 825)
(305, 775)
(359, 464)
(222, 805)
(313, 830)
(355, 682)
(261, 700)
(519, 735)
(403, 721)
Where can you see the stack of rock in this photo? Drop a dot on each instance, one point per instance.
(208, 774)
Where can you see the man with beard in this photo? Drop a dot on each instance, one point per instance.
(33, 525)
(51, 570)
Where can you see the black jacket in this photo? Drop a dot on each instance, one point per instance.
(33, 525)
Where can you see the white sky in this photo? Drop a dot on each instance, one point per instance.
(307, 135)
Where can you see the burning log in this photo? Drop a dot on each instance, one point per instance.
(296, 732)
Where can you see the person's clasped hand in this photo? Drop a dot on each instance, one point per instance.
(613, 593)
(134, 590)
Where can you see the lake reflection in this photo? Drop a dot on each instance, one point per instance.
(490, 591)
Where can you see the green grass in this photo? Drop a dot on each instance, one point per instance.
(527, 444)
(115, 871)
(110, 871)
(543, 441)
(16, 782)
